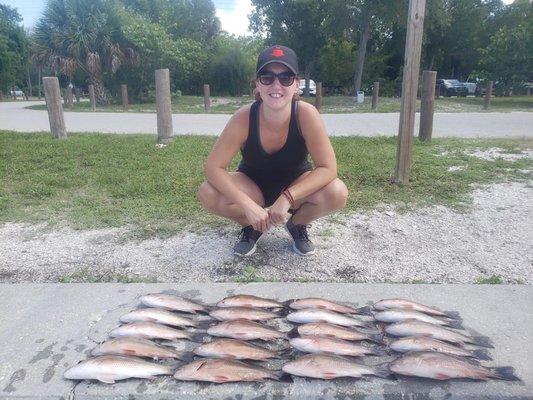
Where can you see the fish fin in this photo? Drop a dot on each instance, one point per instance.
(130, 352)
(382, 370)
(106, 378)
(504, 373)
(366, 310)
(287, 303)
(284, 377)
(293, 333)
(482, 341)
(441, 377)
(481, 354)
(453, 315)
(376, 338)
(221, 378)
(200, 365)
(329, 375)
(197, 337)
(456, 324)
(282, 312)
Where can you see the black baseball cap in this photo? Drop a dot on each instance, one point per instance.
(278, 54)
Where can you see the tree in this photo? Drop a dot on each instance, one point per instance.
(298, 24)
(79, 34)
(13, 48)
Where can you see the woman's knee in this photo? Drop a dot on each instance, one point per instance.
(207, 195)
(337, 194)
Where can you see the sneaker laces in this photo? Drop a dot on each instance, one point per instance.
(302, 231)
(245, 234)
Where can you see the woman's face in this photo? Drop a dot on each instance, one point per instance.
(275, 95)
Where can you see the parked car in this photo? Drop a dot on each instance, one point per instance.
(312, 87)
(451, 87)
(471, 86)
(16, 92)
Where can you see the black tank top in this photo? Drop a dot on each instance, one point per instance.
(291, 158)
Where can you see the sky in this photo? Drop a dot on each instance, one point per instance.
(233, 14)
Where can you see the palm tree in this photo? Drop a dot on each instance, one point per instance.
(84, 34)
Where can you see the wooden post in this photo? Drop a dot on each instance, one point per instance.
(39, 72)
(163, 105)
(318, 96)
(70, 98)
(529, 90)
(375, 94)
(92, 98)
(207, 98)
(13, 94)
(427, 105)
(55, 110)
(488, 96)
(1, 96)
(77, 94)
(124, 93)
(411, 68)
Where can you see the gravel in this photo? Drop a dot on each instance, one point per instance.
(434, 244)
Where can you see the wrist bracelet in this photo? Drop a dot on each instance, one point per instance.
(289, 197)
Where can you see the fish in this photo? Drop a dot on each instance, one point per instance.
(324, 329)
(150, 330)
(245, 330)
(222, 370)
(428, 364)
(171, 302)
(421, 343)
(323, 366)
(404, 304)
(317, 344)
(419, 328)
(132, 346)
(323, 304)
(247, 300)
(398, 315)
(318, 315)
(252, 314)
(157, 315)
(235, 349)
(111, 368)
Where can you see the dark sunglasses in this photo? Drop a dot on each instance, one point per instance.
(268, 78)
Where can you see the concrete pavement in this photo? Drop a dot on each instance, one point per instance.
(45, 328)
(14, 116)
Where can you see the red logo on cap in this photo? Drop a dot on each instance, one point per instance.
(277, 53)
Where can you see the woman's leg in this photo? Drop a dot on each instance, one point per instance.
(215, 202)
(324, 201)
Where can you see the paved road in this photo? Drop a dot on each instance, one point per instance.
(14, 116)
(46, 328)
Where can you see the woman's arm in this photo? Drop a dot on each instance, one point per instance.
(320, 149)
(226, 147)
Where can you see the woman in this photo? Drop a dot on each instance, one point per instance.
(275, 135)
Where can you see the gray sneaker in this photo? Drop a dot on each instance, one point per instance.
(248, 241)
(302, 244)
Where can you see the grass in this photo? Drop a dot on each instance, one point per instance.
(85, 275)
(331, 104)
(99, 181)
(491, 280)
(249, 274)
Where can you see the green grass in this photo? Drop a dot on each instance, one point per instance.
(331, 104)
(97, 181)
(491, 280)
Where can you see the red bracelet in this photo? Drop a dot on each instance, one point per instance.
(289, 197)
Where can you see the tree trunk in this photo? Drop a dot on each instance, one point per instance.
(361, 53)
(99, 90)
(29, 81)
(307, 75)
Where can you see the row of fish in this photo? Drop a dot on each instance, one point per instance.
(329, 331)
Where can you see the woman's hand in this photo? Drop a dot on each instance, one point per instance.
(258, 217)
(278, 211)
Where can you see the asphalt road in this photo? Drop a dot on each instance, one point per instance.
(14, 116)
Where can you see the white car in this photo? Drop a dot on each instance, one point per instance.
(312, 87)
(16, 93)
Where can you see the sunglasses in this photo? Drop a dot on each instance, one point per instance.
(268, 78)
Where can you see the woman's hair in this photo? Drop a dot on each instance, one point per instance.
(257, 96)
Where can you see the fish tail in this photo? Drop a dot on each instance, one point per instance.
(197, 337)
(456, 324)
(206, 310)
(453, 315)
(283, 377)
(293, 333)
(376, 338)
(482, 341)
(366, 310)
(378, 351)
(382, 370)
(504, 373)
(203, 325)
(481, 354)
(284, 353)
(282, 312)
(287, 303)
